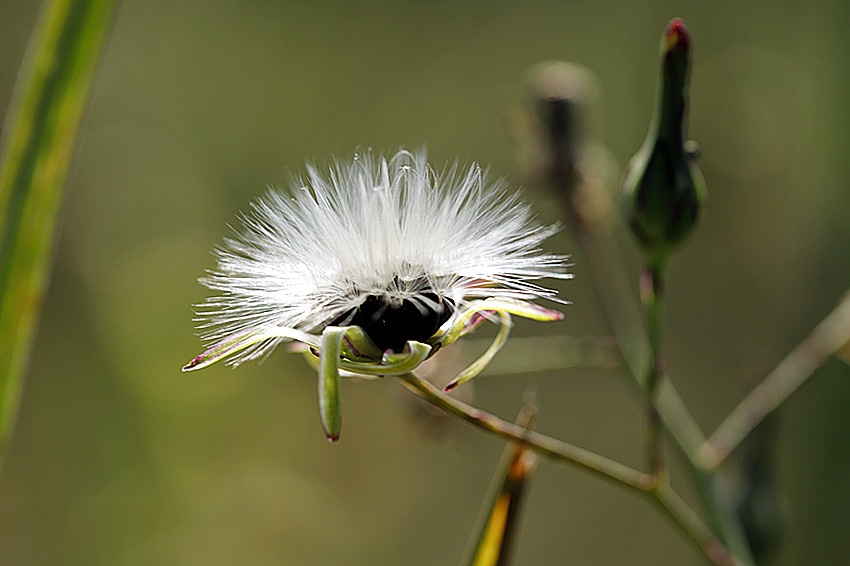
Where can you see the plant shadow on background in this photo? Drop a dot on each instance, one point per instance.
(117, 459)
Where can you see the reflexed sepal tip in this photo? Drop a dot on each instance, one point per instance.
(482, 362)
(237, 342)
(663, 191)
(329, 402)
(503, 308)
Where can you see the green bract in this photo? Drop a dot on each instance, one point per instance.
(347, 351)
(663, 191)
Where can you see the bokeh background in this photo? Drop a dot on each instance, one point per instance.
(120, 459)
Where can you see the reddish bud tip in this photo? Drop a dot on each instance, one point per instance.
(452, 384)
(677, 36)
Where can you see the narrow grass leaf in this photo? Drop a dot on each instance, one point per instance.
(37, 147)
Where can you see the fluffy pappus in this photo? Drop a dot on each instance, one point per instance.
(376, 230)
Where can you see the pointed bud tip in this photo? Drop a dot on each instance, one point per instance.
(451, 385)
(332, 438)
(663, 190)
(191, 365)
(677, 36)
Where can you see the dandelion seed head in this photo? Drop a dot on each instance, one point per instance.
(389, 230)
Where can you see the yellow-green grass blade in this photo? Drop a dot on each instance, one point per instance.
(37, 147)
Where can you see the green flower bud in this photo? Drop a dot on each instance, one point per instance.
(663, 191)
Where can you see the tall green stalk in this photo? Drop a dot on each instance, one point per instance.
(37, 148)
(652, 294)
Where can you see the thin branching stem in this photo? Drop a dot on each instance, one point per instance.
(663, 495)
(652, 295)
(603, 256)
(675, 508)
(824, 341)
(612, 285)
(542, 444)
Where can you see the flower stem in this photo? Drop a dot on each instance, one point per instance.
(689, 523)
(662, 494)
(544, 445)
(612, 286)
(733, 549)
(825, 340)
(652, 295)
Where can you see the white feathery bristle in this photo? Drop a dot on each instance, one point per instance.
(374, 226)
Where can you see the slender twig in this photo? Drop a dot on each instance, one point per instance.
(662, 494)
(579, 183)
(613, 288)
(551, 353)
(689, 523)
(726, 525)
(652, 295)
(603, 256)
(544, 445)
(824, 341)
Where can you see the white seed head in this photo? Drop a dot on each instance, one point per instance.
(374, 226)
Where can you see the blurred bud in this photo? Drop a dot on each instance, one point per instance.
(553, 147)
(755, 495)
(663, 191)
(558, 92)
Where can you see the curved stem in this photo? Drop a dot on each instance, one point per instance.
(824, 341)
(603, 257)
(612, 285)
(726, 526)
(542, 444)
(689, 523)
(662, 494)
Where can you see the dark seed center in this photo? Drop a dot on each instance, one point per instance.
(391, 322)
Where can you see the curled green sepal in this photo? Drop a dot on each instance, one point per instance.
(240, 340)
(477, 310)
(464, 322)
(337, 343)
(478, 365)
(329, 402)
(414, 353)
(358, 346)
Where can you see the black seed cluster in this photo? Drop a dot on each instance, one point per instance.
(391, 322)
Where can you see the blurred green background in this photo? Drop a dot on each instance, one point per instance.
(120, 459)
